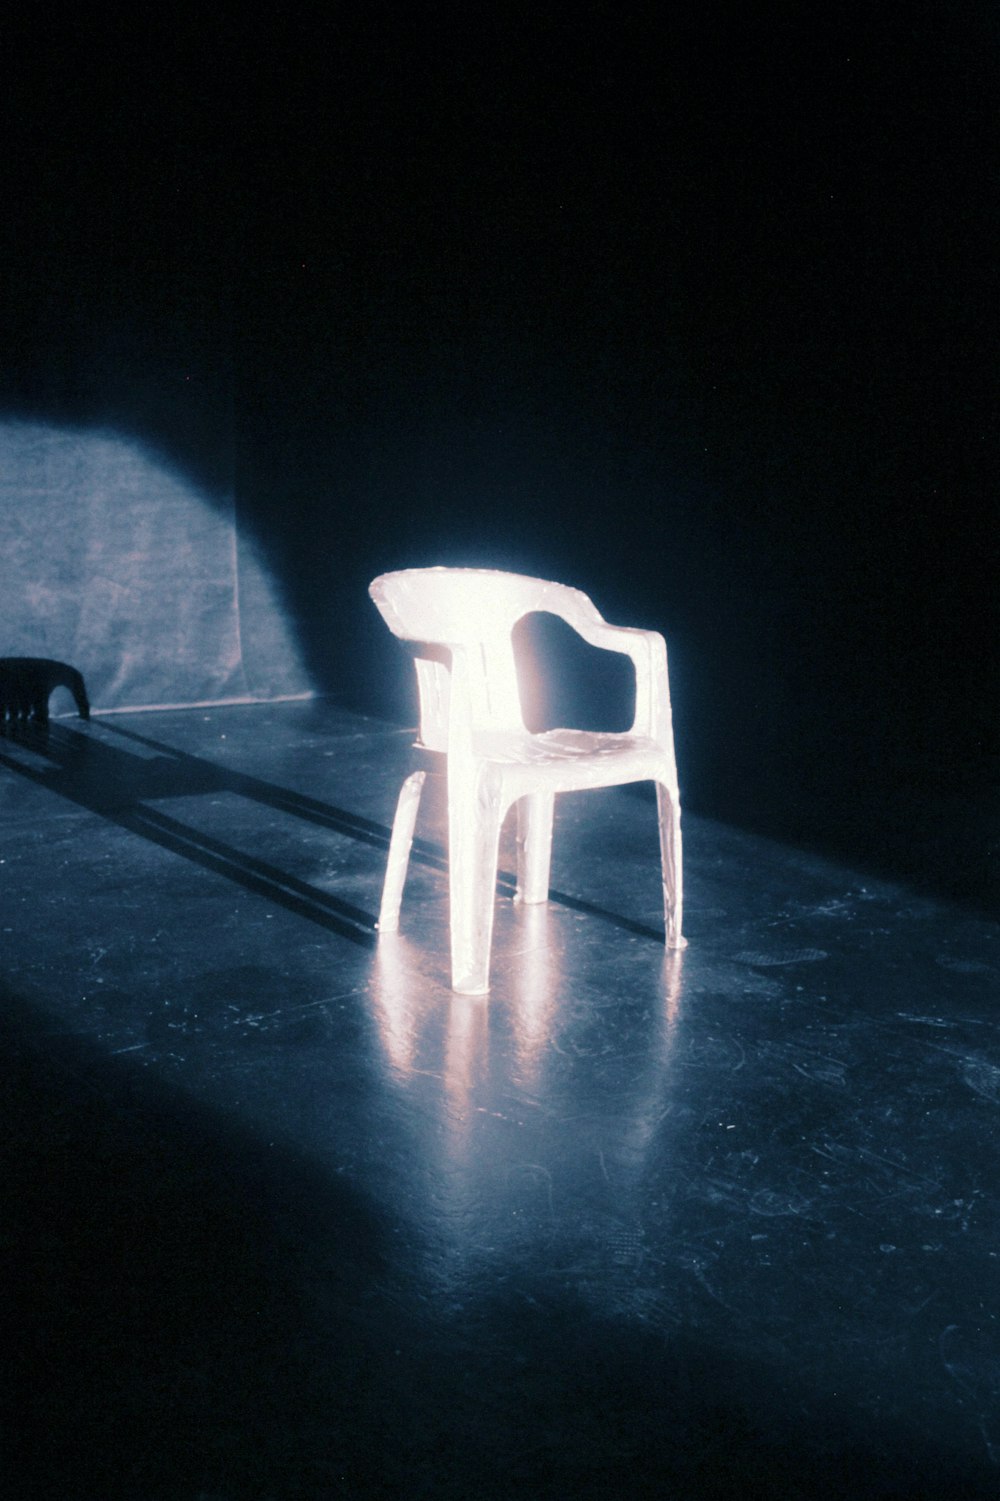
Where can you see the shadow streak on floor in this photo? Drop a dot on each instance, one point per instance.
(290, 1220)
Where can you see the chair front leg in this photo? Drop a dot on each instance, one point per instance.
(669, 810)
(534, 846)
(475, 813)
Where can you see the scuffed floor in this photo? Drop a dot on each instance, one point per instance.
(285, 1218)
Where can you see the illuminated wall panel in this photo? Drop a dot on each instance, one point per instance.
(114, 562)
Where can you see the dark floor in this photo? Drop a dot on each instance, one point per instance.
(288, 1219)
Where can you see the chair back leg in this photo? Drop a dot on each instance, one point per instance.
(400, 844)
(534, 846)
(669, 811)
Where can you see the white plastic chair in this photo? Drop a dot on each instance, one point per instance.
(461, 620)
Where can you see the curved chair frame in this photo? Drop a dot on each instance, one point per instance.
(460, 622)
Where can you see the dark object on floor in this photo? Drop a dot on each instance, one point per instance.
(27, 683)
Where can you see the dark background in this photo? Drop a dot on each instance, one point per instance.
(694, 306)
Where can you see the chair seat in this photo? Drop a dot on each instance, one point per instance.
(576, 758)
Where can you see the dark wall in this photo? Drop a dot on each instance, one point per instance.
(693, 306)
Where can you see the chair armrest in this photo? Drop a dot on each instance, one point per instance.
(449, 678)
(460, 702)
(647, 650)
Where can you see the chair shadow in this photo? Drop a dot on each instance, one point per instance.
(120, 786)
(425, 851)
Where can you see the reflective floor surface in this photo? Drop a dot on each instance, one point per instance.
(285, 1218)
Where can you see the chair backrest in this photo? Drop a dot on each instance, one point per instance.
(476, 608)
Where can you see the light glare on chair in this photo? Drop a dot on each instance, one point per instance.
(460, 623)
